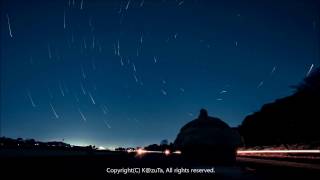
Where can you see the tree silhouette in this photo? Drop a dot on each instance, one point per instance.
(311, 83)
(289, 120)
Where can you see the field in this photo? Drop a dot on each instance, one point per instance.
(99, 164)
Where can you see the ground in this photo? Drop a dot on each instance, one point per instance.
(96, 165)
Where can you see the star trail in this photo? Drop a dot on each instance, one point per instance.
(132, 72)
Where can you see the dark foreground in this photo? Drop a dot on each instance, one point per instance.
(104, 164)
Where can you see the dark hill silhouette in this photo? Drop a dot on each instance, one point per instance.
(207, 140)
(293, 119)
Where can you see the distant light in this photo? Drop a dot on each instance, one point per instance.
(277, 151)
(101, 148)
(167, 152)
(130, 150)
(177, 152)
(141, 151)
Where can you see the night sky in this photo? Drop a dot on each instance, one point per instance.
(133, 72)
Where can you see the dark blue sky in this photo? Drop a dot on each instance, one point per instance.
(131, 73)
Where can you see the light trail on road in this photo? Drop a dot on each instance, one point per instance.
(276, 151)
